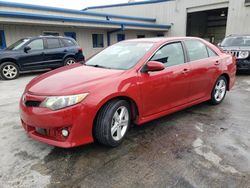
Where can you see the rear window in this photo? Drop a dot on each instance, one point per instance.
(196, 50)
(53, 43)
(68, 42)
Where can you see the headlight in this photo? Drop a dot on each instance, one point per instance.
(59, 102)
(243, 54)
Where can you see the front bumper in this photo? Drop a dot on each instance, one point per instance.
(243, 64)
(77, 119)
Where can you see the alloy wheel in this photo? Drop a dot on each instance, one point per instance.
(220, 90)
(9, 71)
(119, 124)
(70, 62)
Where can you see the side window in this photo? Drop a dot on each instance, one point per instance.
(140, 36)
(170, 55)
(36, 44)
(53, 43)
(2, 40)
(120, 37)
(97, 40)
(211, 53)
(196, 50)
(68, 42)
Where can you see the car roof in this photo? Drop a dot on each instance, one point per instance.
(42, 36)
(162, 39)
(237, 35)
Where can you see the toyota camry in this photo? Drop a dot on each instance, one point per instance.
(131, 82)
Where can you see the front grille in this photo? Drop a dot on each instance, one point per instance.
(32, 103)
(234, 53)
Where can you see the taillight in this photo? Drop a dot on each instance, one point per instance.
(80, 50)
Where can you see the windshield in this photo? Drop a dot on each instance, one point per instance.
(121, 56)
(236, 41)
(17, 45)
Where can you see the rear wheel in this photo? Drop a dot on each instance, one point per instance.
(112, 123)
(69, 61)
(219, 91)
(9, 71)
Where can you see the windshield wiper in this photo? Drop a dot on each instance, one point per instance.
(99, 66)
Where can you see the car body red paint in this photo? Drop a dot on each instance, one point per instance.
(154, 94)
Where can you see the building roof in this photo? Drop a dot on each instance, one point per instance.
(72, 11)
(20, 12)
(10, 14)
(127, 4)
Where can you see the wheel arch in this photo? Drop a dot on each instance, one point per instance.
(227, 78)
(69, 56)
(134, 106)
(12, 60)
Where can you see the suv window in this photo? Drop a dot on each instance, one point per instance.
(36, 44)
(196, 50)
(170, 55)
(68, 42)
(53, 43)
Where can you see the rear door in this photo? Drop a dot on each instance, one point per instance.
(203, 61)
(166, 89)
(54, 52)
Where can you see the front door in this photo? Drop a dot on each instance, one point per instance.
(34, 57)
(168, 88)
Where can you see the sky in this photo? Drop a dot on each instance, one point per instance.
(71, 4)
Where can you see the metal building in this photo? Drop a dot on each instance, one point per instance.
(209, 19)
(94, 28)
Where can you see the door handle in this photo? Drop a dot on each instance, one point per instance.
(184, 71)
(217, 62)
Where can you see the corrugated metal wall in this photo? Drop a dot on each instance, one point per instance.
(176, 12)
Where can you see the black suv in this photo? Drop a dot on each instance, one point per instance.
(239, 46)
(36, 53)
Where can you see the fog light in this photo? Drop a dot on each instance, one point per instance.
(65, 132)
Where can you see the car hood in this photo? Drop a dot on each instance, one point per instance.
(74, 79)
(236, 48)
(4, 51)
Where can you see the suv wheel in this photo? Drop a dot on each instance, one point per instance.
(9, 71)
(69, 61)
(112, 123)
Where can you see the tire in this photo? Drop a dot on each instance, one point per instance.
(69, 61)
(219, 91)
(109, 128)
(9, 71)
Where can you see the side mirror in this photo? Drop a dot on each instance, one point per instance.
(153, 66)
(219, 44)
(26, 49)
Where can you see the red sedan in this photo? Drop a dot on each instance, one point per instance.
(132, 81)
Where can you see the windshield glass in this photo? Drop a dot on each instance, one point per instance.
(236, 41)
(17, 45)
(121, 56)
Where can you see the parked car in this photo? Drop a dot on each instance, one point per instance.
(36, 53)
(132, 81)
(239, 46)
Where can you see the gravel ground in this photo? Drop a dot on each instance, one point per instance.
(203, 146)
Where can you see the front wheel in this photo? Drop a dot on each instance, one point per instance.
(9, 71)
(112, 123)
(219, 91)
